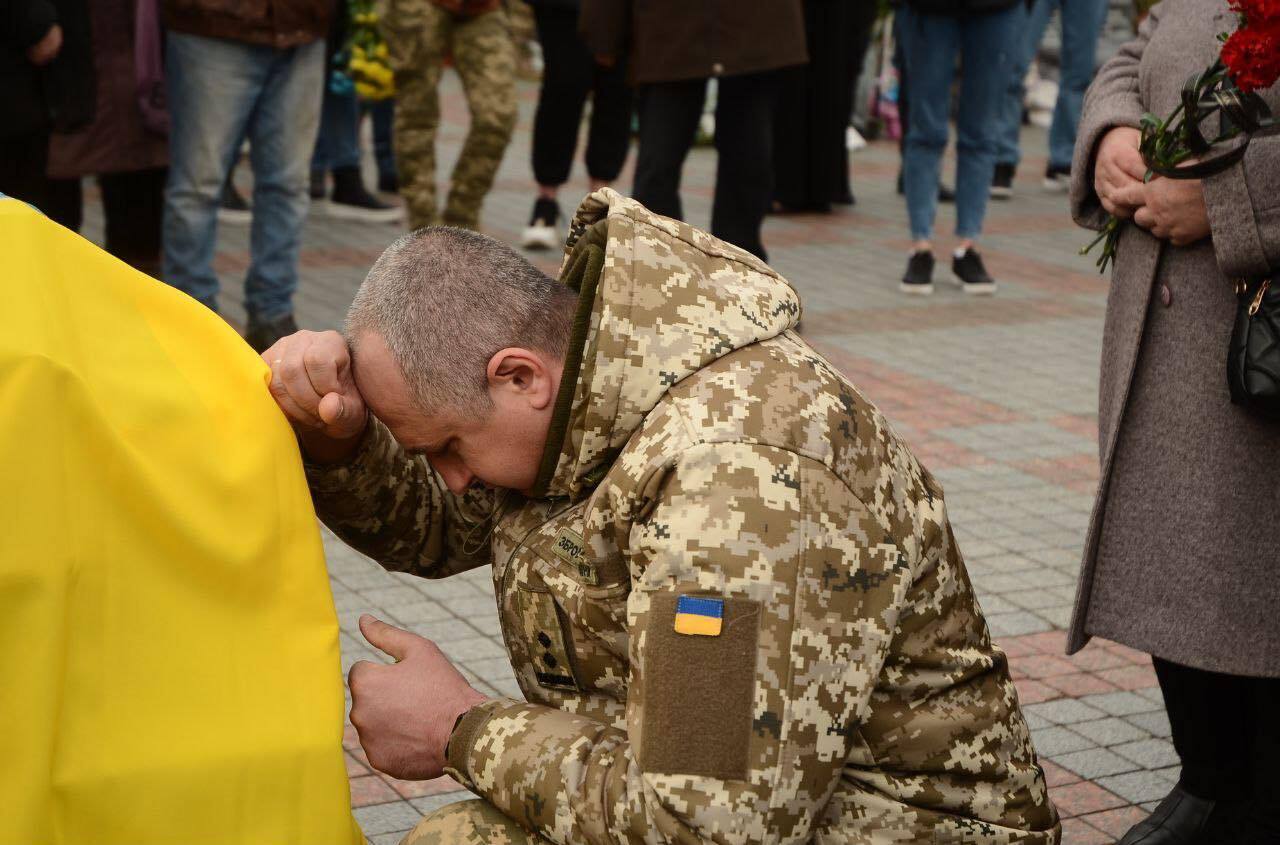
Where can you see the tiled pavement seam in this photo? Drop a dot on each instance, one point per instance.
(997, 397)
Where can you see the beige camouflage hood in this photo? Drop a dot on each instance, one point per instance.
(659, 300)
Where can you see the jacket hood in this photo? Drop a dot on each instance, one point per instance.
(658, 300)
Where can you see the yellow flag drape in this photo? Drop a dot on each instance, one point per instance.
(169, 665)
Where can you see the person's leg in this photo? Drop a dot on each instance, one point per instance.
(486, 60)
(930, 44)
(337, 142)
(1030, 25)
(566, 79)
(744, 165)
(133, 204)
(1216, 753)
(382, 113)
(861, 24)
(417, 34)
(1082, 22)
(987, 44)
(669, 114)
(474, 822)
(23, 161)
(212, 86)
(64, 202)
(281, 132)
(609, 135)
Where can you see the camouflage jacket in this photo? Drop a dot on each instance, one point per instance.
(736, 607)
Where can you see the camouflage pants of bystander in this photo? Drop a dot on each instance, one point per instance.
(419, 36)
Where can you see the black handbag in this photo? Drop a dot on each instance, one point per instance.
(1253, 356)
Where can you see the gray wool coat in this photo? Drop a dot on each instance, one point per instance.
(1182, 559)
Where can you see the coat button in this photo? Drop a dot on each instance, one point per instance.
(1166, 295)
(717, 68)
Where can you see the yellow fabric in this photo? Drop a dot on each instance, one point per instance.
(168, 644)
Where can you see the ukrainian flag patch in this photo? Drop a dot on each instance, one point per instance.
(699, 615)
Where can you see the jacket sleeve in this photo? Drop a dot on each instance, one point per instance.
(395, 509)
(605, 26)
(1244, 211)
(27, 21)
(738, 734)
(1112, 100)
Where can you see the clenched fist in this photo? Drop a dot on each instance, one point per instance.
(311, 381)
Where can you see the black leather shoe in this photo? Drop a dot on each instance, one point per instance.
(1181, 819)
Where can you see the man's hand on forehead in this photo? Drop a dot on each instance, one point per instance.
(311, 381)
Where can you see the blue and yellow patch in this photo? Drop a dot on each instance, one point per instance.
(699, 615)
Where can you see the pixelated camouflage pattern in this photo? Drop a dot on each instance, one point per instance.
(711, 450)
(468, 823)
(419, 36)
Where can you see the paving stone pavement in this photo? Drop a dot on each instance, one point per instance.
(996, 395)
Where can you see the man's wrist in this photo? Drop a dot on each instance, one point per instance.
(319, 448)
(467, 707)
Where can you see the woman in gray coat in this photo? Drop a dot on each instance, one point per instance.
(1183, 554)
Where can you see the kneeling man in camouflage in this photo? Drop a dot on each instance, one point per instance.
(730, 593)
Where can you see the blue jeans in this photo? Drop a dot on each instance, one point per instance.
(338, 142)
(220, 92)
(383, 113)
(931, 43)
(1082, 22)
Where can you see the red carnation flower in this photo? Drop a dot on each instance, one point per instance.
(1263, 13)
(1252, 54)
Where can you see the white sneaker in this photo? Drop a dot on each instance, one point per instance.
(542, 231)
(1057, 180)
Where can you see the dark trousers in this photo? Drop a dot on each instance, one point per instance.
(811, 164)
(669, 114)
(133, 205)
(1226, 730)
(23, 159)
(569, 75)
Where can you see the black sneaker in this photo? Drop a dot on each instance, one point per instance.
(543, 231)
(1002, 181)
(262, 336)
(388, 183)
(945, 194)
(233, 207)
(918, 280)
(970, 273)
(351, 201)
(1057, 178)
(317, 184)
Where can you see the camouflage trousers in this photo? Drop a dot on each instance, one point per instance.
(470, 823)
(419, 36)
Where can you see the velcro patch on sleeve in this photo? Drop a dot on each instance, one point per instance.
(699, 686)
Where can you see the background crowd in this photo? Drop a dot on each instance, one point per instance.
(159, 100)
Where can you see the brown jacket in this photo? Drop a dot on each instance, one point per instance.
(273, 23)
(117, 140)
(668, 40)
(1183, 554)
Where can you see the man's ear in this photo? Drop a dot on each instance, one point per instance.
(523, 374)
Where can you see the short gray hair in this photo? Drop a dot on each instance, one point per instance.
(445, 300)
